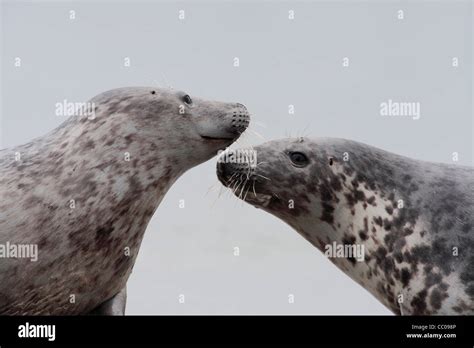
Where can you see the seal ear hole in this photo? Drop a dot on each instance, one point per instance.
(331, 161)
(187, 99)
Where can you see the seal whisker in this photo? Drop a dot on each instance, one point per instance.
(231, 177)
(233, 186)
(213, 186)
(248, 189)
(242, 189)
(263, 176)
(220, 191)
(166, 82)
(242, 141)
(258, 123)
(218, 196)
(303, 133)
(244, 182)
(257, 134)
(239, 181)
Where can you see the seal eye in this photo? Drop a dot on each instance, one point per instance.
(299, 159)
(187, 99)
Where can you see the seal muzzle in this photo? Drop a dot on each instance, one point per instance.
(240, 119)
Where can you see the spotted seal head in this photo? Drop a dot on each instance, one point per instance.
(413, 220)
(85, 192)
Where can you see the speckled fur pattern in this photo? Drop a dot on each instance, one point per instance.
(409, 248)
(81, 250)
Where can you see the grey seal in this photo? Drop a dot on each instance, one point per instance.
(412, 219)
(85, 192)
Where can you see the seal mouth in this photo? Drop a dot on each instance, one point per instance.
(258, 200)
(236, 172)
(244, 186)
(216, 138)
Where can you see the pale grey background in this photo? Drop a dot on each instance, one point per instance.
(190, 251)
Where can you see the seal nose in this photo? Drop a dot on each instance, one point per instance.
(240, 119)
(233, 164)
(224, 166)
(224, 172)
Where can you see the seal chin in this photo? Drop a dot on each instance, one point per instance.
(216, 144)
(259, 200)
(222, 139)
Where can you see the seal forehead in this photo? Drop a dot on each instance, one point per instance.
(276, 147)
(136, 95)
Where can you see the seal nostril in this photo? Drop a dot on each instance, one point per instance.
(240, 120)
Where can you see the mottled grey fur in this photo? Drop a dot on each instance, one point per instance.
(419, 256)
(83, 250)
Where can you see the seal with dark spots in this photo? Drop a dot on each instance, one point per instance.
(413, 218)
(85, 192)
